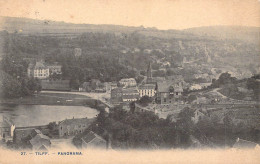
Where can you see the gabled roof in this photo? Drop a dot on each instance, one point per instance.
(130, 90)
(77, 121)
(244, 144)
(35, 132)
(147, 86)
(40, 65)
(6, 123)
(91, 136)
(178, 89)
(128, 80)
(36, 139)
(37, 142)
(130, 96)
(118, 90)
(165, 86)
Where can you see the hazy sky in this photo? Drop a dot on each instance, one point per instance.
(163, 14)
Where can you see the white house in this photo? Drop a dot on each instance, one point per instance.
(38, 70)
(130, 82)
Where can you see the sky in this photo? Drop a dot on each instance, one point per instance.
(162, 14)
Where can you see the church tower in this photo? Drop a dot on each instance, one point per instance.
(149, 74)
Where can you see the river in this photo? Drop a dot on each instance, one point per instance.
(35, 115)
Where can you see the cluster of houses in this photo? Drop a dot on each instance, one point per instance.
(163, 91)
(95, 85)
(35, 139)
(31, 138)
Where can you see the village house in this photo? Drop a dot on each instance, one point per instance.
(198, 115)
(116, 96)
(21, 134)
(120, 95)
(71, 127)
(130, 82)
(38, 70)
(55, 69)
(130, 94)
(85, 87)
(94, 85)
(110, 86)
(92, 140)
(31, 138)
(168, 92)
(6, 129)
(40, 142)
(147, 90)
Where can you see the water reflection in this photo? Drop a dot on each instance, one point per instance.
(34, 115)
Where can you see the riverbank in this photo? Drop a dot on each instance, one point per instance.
(63, 99)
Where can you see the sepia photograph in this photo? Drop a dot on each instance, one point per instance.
(130, 81)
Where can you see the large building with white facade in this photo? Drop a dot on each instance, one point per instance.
(41, 70)
(38, 70)
(128, 82)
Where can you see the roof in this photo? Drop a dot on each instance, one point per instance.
(77, 121)
(54, 65)
(130, 96)
(36, 138)
(116, 90)
(31, 66)
(21, 130)
(91, 136)
(35, 132)
(178, 89)
(158, 79)
(40, 65)
(147, 86)
(244, 144)
(36, 141)
(6, 122)
(175, 77)
(164, 86)
(127, 80)
(130, 90)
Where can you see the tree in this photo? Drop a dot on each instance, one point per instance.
(185, 126)
(224, 79)
(145, 100)
(132, 107)
(253, 84)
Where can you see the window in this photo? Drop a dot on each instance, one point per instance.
(164, 100)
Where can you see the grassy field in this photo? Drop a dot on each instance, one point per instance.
(51, 99)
